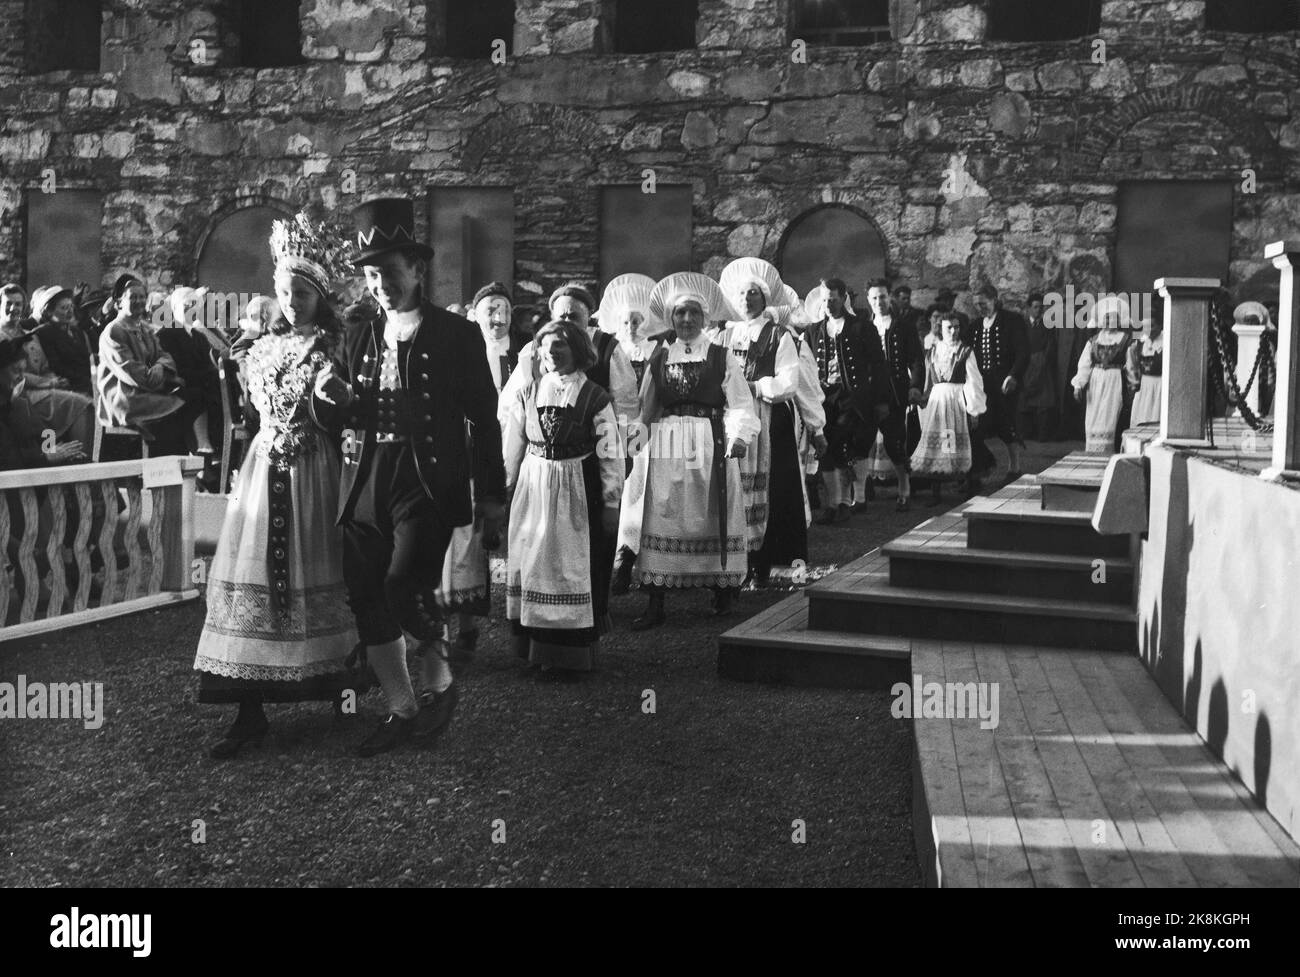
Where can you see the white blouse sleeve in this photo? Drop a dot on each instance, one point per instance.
(781, 387)
(622, 386)
(611, 461)
(973, 391)
(514, 436)
(808, 395)
(1080, 380)
(740, 419)
(519, 380)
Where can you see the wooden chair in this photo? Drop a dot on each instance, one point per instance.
(234, 429)
(100, 428)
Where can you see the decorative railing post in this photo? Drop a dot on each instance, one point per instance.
(1248, 338)
(1286, 397)
(1184, 417)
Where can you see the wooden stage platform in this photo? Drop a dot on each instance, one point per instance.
(1084, 774)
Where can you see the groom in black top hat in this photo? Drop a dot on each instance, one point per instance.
(399, 393)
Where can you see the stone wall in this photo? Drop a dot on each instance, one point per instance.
(974, 159)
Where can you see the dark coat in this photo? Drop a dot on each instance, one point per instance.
(864, 375)
(1011, 344)
(447, 376)
(906, 358)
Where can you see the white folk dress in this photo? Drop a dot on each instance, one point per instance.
(290, 643)
(551, 582)
(954, 392)
(780, 388)
(1145, 371)
(682, 543)
(630, 514)
(1101, 373)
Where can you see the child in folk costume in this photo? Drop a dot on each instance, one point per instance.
(624, 313)
(466, 578)
(564, 467)
(771, 472)
(278, 627)
(1100, 377)
(701, 417)
(1146, 374)
(954, 392)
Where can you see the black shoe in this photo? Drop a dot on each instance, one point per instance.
(435, 712)
(239, 734)
(389, 734)
(622, 581)
(903, 505)
(462, 650)
(859, 507)
(722, 600)
(653, 616)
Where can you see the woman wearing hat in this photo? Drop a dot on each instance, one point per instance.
(1099, 381)
(771, 473)
(65, 344)
(1145, 373)
(566, 484)
(52, 403)
(701, 417)
(138, 382)
(624, 313)
(278, 628)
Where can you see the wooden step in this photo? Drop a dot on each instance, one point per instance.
(1100, 580)
(1019, 522)
(776, 646)
(870, 605)
(1073, 483)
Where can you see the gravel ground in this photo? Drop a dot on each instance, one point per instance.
(586, 788)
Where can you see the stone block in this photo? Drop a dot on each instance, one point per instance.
(1112, 78)
(119, 145)
(1060, 76)
(980, 73)
(691, 84)
(751, 84)
(1021, 81)
(1010, 114)
(699, 131)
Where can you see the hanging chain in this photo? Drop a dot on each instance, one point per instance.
(1223, 368)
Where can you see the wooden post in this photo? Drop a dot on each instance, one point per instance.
(1286, 398)
(1247, 353)
(1183, 417)
(178, 529)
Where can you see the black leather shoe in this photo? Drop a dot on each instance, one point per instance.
(389, 734)
(722, 601)
(653, 616)
(463, 648)
(622, 581)
(230, 745)
(435, 712)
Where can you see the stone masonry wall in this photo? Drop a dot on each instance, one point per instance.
(974, 159)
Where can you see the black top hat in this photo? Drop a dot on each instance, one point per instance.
(386, 224)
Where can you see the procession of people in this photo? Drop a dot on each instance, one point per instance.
(670, 435)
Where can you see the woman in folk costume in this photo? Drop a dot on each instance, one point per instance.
(466, 577)
(698, 409)
(625, 313)
(1100, 377)
(1145, 374)
(564, 467)
(954, 392)
(771, 472)
(278, 626)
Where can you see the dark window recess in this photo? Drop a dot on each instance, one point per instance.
(270, 33)
(648, 26)
(1254, 17)
(646, 233)
(63, 237)
(1034, 20)
(62, 35)
(472, 230)
(841, 22)
(474, 25)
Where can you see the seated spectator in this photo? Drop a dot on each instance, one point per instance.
(194, 352)
(24, 440)
(46, 394)
(64, 345)
(139, 384)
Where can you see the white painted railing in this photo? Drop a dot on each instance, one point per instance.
(1285, 256)
(83, 543)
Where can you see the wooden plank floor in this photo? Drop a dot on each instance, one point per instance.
(1090, 778)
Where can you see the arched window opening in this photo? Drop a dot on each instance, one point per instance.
(831, 242)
